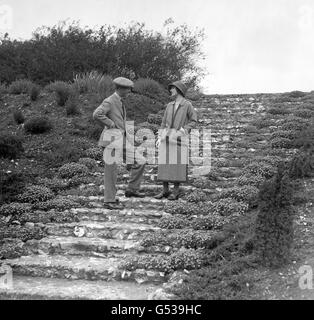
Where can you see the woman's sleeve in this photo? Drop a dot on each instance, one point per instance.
(192, 119)
(163, 123)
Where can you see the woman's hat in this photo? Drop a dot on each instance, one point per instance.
(180, 86)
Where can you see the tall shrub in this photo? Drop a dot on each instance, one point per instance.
(274, 223)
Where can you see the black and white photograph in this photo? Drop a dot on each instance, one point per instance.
(158, 151)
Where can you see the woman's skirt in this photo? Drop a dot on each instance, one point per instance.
(173, 161)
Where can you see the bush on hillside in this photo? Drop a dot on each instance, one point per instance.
(139, 107)
(61, 150)
(34, 92)
(281, 143)
(90, 163)
(260, 168)
(132, 51)
(278, 111)
(70, 170)
(302, 165)
(305, 113)
(305, 139)
(273, 236)
(21, 86)
(18, 116)
(152, 89)
(34, 193)
(72, 104)
(94, 82)
(38, 125)
(10, 146)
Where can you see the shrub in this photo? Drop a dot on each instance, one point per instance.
(79, 180)
(294, 124)
(21, 86)
(11, 249)
(94, 82)
(245, 194)
(14, 208)
(62, 91)
(260, 169)
(38, 125)
(186, 208)
(138, 107)
(154, 119)
(209, 222)
(188, 239)
(287, 134)
(62, 150)
(278, 111)
(47, 217)
(71, 107)
(59, 204)
(22, 233)
(305, 139)
(302, 165)
(10, 146)
(228, 206)
(296, 94)
(221, 281)
(196, 196)
(34, 193)
(304, 113)
(183, 259)
(281, 143)
(151, 88)
(274, 223)
(250, 180)
(90, 163)
(94, 153)
(70, 170)
(263, 123)
(34, 92)
(193, 95)
(172, 223)
(54, 184)
(18, 116)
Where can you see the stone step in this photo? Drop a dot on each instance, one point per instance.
(129, 203)
(106, 230)
(93, 247)
(81, 268)
(30, 288)
(119, 216)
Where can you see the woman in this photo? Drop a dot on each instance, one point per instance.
(178, 119)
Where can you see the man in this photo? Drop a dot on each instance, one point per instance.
(112, 114)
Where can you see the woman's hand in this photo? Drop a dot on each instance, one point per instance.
(182, 131)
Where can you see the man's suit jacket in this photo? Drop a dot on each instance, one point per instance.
(111, 113)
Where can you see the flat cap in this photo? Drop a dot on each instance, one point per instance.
(123, 82)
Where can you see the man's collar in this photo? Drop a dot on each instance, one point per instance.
(117, 95)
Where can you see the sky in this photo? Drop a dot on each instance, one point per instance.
(251, 46)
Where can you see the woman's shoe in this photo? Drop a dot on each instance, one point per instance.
(162, 195)
(174, 196)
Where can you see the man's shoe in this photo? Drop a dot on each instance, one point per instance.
(135, 194)
(162, 195)
(113, 206)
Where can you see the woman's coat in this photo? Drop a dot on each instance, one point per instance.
(173, 150)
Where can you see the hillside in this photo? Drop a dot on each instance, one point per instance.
(60, 243)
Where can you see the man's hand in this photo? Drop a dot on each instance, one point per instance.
(112, 125)
(158, 143)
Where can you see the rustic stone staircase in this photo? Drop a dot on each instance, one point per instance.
(80, 260)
